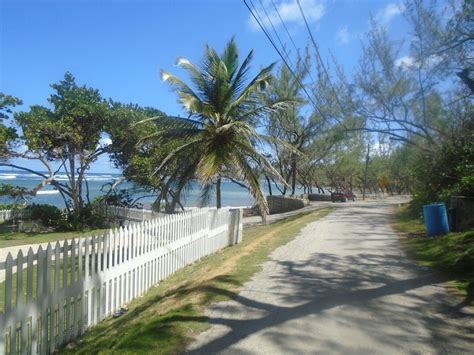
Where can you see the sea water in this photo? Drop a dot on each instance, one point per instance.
(99, 183)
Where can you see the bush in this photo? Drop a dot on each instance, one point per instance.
(89, 218)
(10, 206)
(49, 215)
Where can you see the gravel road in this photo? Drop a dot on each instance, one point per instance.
(342, 286)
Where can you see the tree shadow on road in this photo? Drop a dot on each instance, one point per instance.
(388, 298)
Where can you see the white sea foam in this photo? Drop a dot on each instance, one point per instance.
(63, 177)
(48, 192)
(8, 176)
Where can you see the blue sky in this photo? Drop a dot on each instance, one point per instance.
(119, 46)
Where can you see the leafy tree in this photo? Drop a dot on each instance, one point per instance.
(19, 194)
(290, 125)
(219, 134)
(139, 161)
(420, 102)
(7, 133)
(64, 138)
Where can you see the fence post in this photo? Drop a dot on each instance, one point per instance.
(235, 226)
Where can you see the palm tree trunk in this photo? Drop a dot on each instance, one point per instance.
(269, 185)
(218, 193)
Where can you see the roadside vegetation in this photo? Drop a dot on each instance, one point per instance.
(451, 254)
(166, 317)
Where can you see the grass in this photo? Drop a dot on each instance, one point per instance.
(451, 254)
(166, 318)
(8, 238)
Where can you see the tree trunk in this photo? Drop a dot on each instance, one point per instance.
(218, 193)
(293, 176)
(269, 183)
(367, 158)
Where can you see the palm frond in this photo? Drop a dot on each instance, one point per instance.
(171, 120)
(261, 79)
(183, 90)
(292, 149)
(265, 164)
(174, 152)
(254, 185)
(266, 109)
(206, 194)
(230, 57)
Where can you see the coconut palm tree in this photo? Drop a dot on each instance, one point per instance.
(219, 138)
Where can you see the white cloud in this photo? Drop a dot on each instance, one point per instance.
(433, 60)
(390, 11)
(105, 141)
(343, 35)
(289, 12)
(408, 61)
(405, 61)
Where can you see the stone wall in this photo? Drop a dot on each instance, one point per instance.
(319, 197)
(462, 213)
(280, 203)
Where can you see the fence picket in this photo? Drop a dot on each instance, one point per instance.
(50, 309)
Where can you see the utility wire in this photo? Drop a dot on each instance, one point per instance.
(320, 58)
(275, 31)
(262, 26)
(290, 37)
(283, 47)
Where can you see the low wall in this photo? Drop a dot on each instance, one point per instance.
(280, 203)
(462, 213)
(319, 197)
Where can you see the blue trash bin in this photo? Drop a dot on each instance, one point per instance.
(436, 219)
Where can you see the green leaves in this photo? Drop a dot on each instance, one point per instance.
(74, 124)
(7, 133)
(219, 136)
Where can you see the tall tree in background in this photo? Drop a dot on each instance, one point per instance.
(64, 138)
(306, 133)
(219, 134)
(138, 161)
(7, 133)
(420, 95)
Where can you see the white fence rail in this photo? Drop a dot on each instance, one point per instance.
(129, 214)
(53, 295)
(8, 215)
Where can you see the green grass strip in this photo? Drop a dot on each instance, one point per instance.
(166, 318)
(451, 254)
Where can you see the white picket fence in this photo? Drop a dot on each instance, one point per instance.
(8, 215)
(53, 295)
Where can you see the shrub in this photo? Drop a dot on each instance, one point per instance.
(89, 218)
(49, 215)
(10, 206)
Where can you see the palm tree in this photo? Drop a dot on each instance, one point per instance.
(219, 138)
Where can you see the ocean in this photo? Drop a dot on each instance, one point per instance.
(233, 195)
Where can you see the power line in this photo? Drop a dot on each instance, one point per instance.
(282, 57)
(320, 58)
(275, 31)
(290, 37)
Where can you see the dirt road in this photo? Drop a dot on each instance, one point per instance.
(343, 286)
